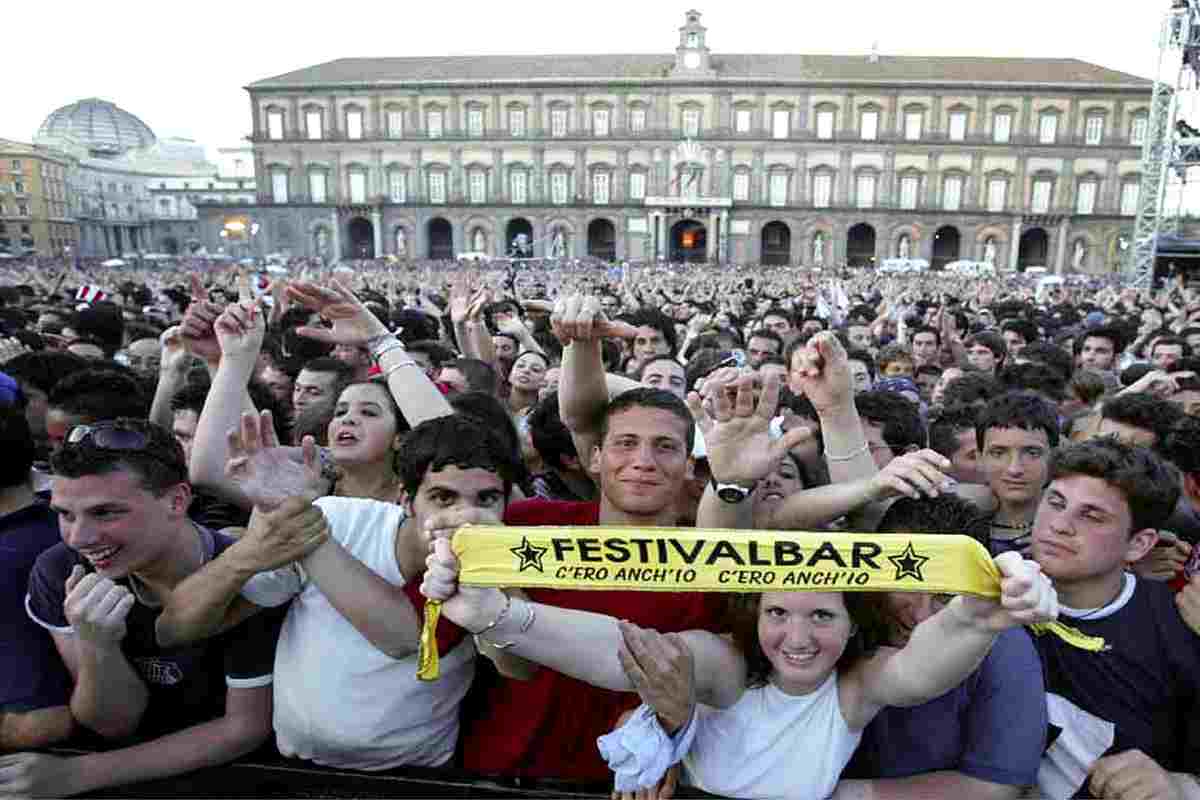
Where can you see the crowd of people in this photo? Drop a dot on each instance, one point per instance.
(230, 494)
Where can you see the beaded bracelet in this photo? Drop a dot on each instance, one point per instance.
(849, 457)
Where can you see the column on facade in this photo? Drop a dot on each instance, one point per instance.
(415, 122)
(257, 116)
(1110, 199)
(934, 189)
(298, 191)
(887, 183)
(727, 174)
(1026, 118)
(1067, 195)
(497, 115)
(1019, 195)
(377, 228)
(537, 181)
(758, 177)
(843, 179)
(975, 184)
(455, 125)
(377, 188)
(499, 192)
(1060, 250)
(847, 116)
(377, 131)
(582, 123)
(724, 120)
(335, 224)
(620, 120)
(537, 115)
(620, 181)
(263, 186)
(338, 192)
(1117, 131)
(293, 128)
(582, 189)
(716, 162)
(803, 107)
(1072, 120)
(714, 236)
(892, 123)
(1014, 244)
(417, 190)
(764, 121)
(333, 123)
(456, 175)
(935, 121)
(724, 243)
(660, 236)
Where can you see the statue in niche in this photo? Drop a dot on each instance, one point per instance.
(819, 249)
(1077, 255)
(989, 252)
(558, 245)
(478, 241)
(322, 242)
(904, 247)
(401, 243)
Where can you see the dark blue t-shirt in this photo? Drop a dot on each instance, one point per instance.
(991, 727)
(187, 684)
(1136, 693)
(32, 674)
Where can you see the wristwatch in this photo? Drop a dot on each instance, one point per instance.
(732, 493)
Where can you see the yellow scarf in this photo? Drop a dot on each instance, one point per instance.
(710, 560)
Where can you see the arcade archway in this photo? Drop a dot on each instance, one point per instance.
(947, 243)
(362, 238)
(776, 243)
(602, 240)
(860, 246)
(441, 240)
(1034, 250)
(689, 242)
(518, 238)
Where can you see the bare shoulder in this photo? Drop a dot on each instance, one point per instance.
(857, 684)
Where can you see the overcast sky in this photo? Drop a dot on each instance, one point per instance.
(181, 66)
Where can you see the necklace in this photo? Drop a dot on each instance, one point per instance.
(1024, 526)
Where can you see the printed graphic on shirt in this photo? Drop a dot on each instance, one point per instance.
(1082, 740)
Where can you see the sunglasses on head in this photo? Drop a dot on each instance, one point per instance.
(109, 436)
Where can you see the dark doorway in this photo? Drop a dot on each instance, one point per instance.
(518, 238)
(946, 244)
(1034, 250)
(441, 240)
(860, 246)
(362, 238)
(776, 243)
(170, 246)
(689, 242)
(602, 240)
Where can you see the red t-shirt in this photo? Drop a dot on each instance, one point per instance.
(547, 727)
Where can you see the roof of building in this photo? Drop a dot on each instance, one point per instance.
(788, 68)
(102, 127)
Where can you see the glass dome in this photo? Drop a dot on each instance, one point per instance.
(99, 125)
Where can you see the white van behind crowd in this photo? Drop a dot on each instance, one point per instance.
(971, 269)
(898, 265)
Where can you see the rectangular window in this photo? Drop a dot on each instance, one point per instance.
(822, 190)
(600, 122)
(275, 124)
(952, 193)
(22, 209)
(637, 120)
(909, 186)
(1002, 128)
(691, 123)
(1048, 129)
(316, 187)
(433, 124)
(864, 194)
(475, 123)
(824, 124)
(558, 122)
(519, 186)
(16, 164)
(1129, 199)
(358, 187)
(1137, 131)
(437, 187)
(958, 126)
(558, 188)
(395, 124)
(279, 188)
(637, 186)
(398, 187)
(354, 126)
(19, 187)
(741, 120)
(477, 187)
(312, 124)
(1094, 130)
(1085, 200)
(516, 122)
(600, 188)
(780, 124)
(777, 189)
(741, 186)
(997, 194)
(912, 125)
(870, 126)
(1041, 197)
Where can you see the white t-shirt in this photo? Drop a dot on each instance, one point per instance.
(772, 745)
(339, 701)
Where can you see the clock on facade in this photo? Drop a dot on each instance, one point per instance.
(691, 60)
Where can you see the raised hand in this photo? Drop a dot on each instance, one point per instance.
(240, 330)
(96, 607)
(912, 475)
(469, 607)
(282, 536)
(174, 355)
(197, 325)
(736, 431)
(353, 322)
(662, 670)
(10, 348)
(579, 317)
(820, 372)
(1026, 597)
(269, 474)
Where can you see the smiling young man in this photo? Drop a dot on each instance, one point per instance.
(121, 493)
(1119, 707)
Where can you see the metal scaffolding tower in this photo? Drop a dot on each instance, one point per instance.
(1169, 148)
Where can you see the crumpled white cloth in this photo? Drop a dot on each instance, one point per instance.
(640, 752)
